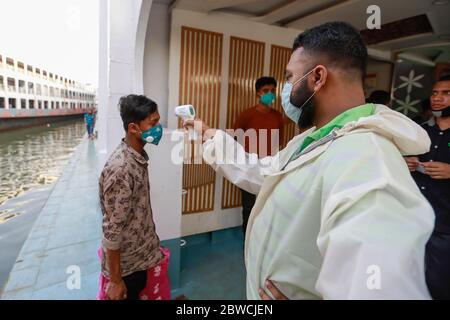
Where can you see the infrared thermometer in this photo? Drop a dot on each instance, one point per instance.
(187, 112)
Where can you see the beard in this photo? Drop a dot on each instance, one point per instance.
(298, 98)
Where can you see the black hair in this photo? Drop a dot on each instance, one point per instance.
(379, 97)
(338, 42)
(445, 78)
(135, 108)
(263, 81)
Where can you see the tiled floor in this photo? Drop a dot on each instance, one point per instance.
(66, 234)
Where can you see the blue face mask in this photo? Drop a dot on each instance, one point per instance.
(267, 99)
(292, 111)
(152, 135)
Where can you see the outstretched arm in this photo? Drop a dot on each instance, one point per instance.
(228, 157)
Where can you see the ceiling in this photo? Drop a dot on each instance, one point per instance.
(428, 20)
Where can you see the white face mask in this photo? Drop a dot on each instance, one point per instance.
(442, 113)
(293, 112)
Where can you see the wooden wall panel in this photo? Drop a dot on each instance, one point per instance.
(200, 78)
(279, 58)
(246, 65)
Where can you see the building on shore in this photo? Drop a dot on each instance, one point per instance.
(31, 95)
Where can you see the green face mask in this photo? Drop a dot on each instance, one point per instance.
(267, 99)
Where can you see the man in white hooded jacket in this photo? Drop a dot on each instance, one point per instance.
(337, 215)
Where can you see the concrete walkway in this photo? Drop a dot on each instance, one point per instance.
(64, 238)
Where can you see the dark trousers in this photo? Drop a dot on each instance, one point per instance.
(90, 129)
(135, 283)
(437, 265)
(248, 201)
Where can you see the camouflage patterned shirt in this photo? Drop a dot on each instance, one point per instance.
(128, 223)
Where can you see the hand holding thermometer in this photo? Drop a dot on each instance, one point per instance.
(187, 112)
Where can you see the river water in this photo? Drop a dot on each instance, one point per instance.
(33, 158)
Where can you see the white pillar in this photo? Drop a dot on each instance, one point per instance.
(122, 41)
(103, 82)
(156, 59)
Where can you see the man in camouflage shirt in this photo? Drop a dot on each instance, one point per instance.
(130, 243)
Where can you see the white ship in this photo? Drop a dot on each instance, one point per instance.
(31, 95)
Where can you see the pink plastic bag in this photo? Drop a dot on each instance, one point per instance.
(158, 283)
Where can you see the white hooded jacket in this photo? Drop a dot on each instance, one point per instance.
(344, 220)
